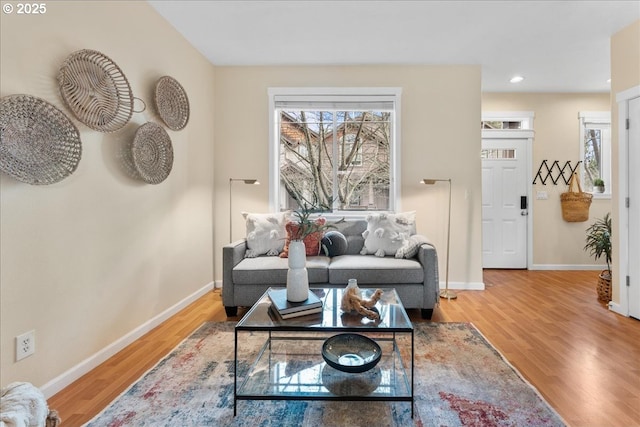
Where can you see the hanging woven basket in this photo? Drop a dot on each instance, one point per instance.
(575, 204)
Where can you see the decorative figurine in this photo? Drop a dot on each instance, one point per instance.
(352, 301)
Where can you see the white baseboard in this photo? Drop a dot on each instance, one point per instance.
(217, 284)
(567, 267)
(63, 380)
(617, 308)
(464, 286)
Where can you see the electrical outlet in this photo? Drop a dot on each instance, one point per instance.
(25, 345)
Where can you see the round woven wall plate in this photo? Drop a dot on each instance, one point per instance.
(39, 144)
(96, 90)
(172, 103)
(152, 153)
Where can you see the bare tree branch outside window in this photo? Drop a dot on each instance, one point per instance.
(336, 158)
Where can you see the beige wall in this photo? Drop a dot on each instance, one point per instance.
(89, 259)
(625, 74)
(557, 137)
(440, 138)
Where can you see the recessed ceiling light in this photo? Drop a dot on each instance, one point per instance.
(516, 79)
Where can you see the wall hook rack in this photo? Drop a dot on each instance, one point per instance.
(555, 172)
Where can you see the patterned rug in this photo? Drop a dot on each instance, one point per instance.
(460, 380)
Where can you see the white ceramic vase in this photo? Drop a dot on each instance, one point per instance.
(297, 277)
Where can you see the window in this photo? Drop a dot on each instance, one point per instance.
(595, 150)
(335, 148)
(499, 154)
(507, 120)
(494, 124)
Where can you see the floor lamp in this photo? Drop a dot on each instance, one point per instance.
(446, 293)
(231, 181)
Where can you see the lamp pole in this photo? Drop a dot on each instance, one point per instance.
(231, 181)
(446, 293)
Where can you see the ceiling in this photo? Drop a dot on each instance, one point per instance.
(558, 46)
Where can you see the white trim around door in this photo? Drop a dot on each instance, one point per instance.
(622, 226)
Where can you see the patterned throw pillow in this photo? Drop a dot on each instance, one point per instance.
(311, 242)
(410, 246)
(265, 233)
(334, 243)
(385, 232)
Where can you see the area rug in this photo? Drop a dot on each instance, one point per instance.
(460, 380)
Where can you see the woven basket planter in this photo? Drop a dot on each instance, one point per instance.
(604, 286)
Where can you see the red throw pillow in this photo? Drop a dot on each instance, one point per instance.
(311, 242)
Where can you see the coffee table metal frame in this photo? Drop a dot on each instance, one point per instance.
(299, 340)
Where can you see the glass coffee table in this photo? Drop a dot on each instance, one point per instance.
(277, 359)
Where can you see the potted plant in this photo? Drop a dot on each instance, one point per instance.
(598, 243)
(598, 184)
(305, 224)
(300, 229)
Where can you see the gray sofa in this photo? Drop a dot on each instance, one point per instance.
(244, 280)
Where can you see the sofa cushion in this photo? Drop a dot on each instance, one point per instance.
(369, 269)
(265, 233)
(410, 246)
(334, 243)
(273, 270)
(352, 230)
(386, 232)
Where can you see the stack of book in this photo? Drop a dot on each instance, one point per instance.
(287, 309)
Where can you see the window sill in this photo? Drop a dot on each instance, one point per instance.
(602, 196)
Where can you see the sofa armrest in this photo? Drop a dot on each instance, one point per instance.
(428, 257)
(232, 254)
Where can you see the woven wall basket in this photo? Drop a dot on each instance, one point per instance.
(172, 103)
(152, 153)
(96, 90)
(39, 144)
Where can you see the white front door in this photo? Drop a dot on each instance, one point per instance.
(634, 209)
(504, 202)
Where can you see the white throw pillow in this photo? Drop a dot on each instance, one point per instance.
(410, 246)
(385, 232)
(265, 233)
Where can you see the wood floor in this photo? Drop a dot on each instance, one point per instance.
(584, 359)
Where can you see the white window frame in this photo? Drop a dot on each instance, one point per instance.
(598, 117)
(524, 117)
(326, 93)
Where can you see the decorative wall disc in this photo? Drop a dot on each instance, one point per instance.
(39, 144)
(96, 90)
(152, 153)
(172, 103)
